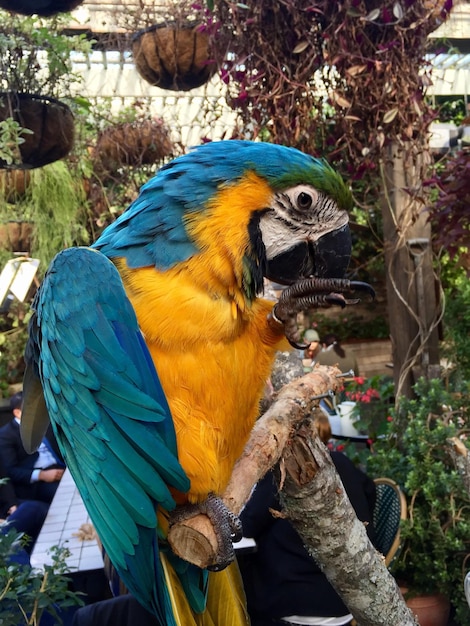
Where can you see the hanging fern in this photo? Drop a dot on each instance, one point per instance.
(57, 205)
(53, 199)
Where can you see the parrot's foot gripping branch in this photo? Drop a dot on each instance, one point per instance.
(227, 526)
(313, 293)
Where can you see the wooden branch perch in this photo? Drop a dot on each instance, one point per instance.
(194, 540)
(313, 499)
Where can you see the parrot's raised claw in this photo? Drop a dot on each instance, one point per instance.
(227, 526)
(312, 293)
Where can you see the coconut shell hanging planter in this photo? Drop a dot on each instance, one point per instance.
(135, 143)
(173, 56)
(51, 123)
(14, 184)
(16, 236)
(44, 8)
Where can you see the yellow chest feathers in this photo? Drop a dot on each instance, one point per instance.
(213, 360)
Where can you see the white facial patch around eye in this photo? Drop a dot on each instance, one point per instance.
(302, 197)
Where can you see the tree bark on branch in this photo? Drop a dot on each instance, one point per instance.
(313, 499)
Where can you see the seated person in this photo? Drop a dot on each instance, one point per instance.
(312, 339)
(281, 578)
(26, 516)
(33, 476)
(333, 353)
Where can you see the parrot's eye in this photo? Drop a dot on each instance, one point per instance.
(300, 199)
(304, 200)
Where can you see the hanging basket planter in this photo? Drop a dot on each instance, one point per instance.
(133, 144)
(51, 123)
(173, 56)
(14, 184)
(16, 236)
(45, 8)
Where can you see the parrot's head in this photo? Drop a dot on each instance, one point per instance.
(305, 229)
(275, 211)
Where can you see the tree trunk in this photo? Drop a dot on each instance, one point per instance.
(316, 503)
(314, 500)
(411, 282)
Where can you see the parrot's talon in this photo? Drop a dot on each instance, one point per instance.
(227, 526)
(356, 285)
(312, 293)
(336, 298)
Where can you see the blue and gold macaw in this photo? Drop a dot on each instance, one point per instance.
(150, 350)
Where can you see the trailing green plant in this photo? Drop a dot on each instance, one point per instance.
(55, 202)
(414, 451)
(26, 593)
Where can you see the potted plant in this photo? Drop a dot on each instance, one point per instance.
(35, 71)
(173, 51)
(142, 141)
(414, 451)
(173, 56)
(50, 215)
(371, 400)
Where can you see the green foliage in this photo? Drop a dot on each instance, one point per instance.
(374, 399)
(25, 593)
(414, 451)
(457, 331)
(55, 202)
(35, 55)
(11, 136)
(451, 109)
(350, 326)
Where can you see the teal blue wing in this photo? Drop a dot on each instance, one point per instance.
(108, 412)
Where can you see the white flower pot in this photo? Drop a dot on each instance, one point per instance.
(348, 419)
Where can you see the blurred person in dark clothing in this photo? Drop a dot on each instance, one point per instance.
(281, 578)
(333, 353)
(33, 476)
(25, 516)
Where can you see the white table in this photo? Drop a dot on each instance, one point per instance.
(246, 544)
(66, 515)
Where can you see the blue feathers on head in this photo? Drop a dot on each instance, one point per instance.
(151, 231)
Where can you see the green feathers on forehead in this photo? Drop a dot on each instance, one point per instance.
(323, 177)
(281, 166)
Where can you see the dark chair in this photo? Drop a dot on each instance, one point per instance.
(466, 587)
(390, 509)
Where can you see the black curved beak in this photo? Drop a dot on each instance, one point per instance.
(326, 258)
